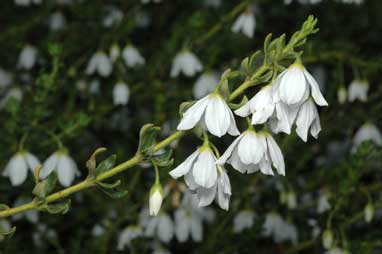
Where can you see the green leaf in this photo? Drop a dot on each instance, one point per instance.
(46, 186)
(147, 137)
(107, 164)
(164, 159)
(62, 207)
(3, 207)
(113, 193)
(109, 185)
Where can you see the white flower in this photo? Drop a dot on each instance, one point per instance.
(18, 165)
(121, 94)
(99, 63)
(14, 93)
(243, 220)
(188, 223)
(279, 229)
(98, 230)
(221, 190)
(31, 215)
(187, 63)
(114, 52)
(367, 132)
(132, 57)
(94, 86)
(127, 235)
(27, 2)
(341, 95)
(252, 151)
(323, 204)
(358, 90)
(57, 21)
(205, 84)
(327, 239)
(295, 84)
(213, 3)
(63, 164)
(291, 200)
(160, 226)
(308, 118)
(114, 17)
(369, 212)
(5, 78)
(199, 169)
(336, 250)
(245, 23)
(156, 198)
(27, 57)
(214, 112)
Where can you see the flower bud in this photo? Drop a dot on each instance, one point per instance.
(369, 212)
(156, 198)
(341, 95)
(327, 239)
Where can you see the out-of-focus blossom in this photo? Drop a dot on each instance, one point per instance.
(187, 63)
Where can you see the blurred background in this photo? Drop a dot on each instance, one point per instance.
(76, 75)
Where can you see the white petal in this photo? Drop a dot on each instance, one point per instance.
(276, 155)
(32, 161)
(217, 116)
(185, 167)
(196, 229)
(17, 170)
(316, 93)
(250, 150)
(190, 181)
(244, 110)
(165, 229)
(222, 160)
(181, 225)
(65, 170)
(192, 116)
(204, 169)
(206, 196)
(233, 131)
(49, 165)
(293, 86)
(306, 116)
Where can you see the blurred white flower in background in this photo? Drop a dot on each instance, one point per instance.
(253, 151)
(31, 215)
(132, 57)
(27, 58)
(18, 165)
(245, 23)
(187, 63)
(121, 94)
(130, 233)
(63, 164)
(188, 225)
(279, 229)
(99, 63)
(367, 132)
(5, 226)
(205, 84)
(5, 78)
(323, 204)
(213, 3)
(98, 230)
(15, 93)
(57, 21)
(113, 17)
(27, 2)
(114, 52)
(369, 212)
(358, 90)
(213, 111)
(160, 226)
(243, 220)
(94, 86)
(336, 250)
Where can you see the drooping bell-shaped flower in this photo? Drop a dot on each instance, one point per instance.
(243, 220)
(132, 57)
(308, 118)
(99, 63)
(25, 3)
(294, 85)
(27, 57)
(358, 90)
(253, 151)
(63, 164)
(323, 204)
(57, 21)
(113, 17)
(188, 225)
(114, 52)
(279, 229)
(18, 165)
(13, 93)
(5, 78)
(213, 3)
(214, 112)
(187, 63)
(121, 94)
(245, 23)
(127, 235)
(367, 132)
(205, 84)
(160, 226)
(199, 169)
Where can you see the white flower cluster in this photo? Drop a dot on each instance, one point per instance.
(290, 99)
